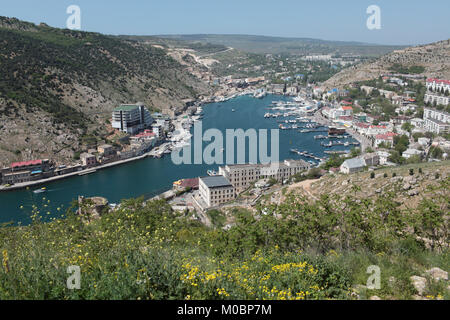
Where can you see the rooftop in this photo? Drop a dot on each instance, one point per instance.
(26, 163)
(126, 107)
(355, 163)
(216, 181)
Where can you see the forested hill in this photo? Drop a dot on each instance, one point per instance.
(58, 86)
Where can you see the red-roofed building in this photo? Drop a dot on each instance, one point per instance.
(438, 84)
(25, 171)
(386, 138)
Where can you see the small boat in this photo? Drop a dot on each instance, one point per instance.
(43, 189)
(232, 110)
(211, 173)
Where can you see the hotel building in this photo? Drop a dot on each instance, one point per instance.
(131, 118)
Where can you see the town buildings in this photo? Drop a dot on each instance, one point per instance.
(131, 118)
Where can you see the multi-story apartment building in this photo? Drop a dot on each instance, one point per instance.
(438, 84)
(242, 175)
(215, 190)
(436, 99)
(131, 118)
(436, 121)
(25, 171)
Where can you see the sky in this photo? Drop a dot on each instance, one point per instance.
(403, 22)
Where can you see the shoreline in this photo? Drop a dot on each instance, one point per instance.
(151, 153)
(25, 185)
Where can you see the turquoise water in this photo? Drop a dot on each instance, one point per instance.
(151, 176)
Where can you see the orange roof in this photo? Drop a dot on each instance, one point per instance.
(347, 108)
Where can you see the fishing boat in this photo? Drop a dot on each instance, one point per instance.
(41, 190)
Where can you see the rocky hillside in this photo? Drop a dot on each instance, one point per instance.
(58, 87)
(433, 58)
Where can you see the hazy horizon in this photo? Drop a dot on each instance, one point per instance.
(402, 22)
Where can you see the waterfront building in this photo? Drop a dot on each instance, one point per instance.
(131, 118)
(242, 175)
(88, 159)
(436, 121)
(106, 150)
(158, 130)
(25, 171)
(215, 190)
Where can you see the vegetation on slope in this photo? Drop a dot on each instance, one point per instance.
(75, 78)
(296, 250)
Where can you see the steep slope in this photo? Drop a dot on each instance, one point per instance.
(60, 86)
(434, 58)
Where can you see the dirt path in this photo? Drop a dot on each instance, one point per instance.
(305, 185)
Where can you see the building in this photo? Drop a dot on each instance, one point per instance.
(383, 156)
(88, 159)
(411, 152)
(106, 150)
(158, 130)
(436, 121)
(438, 84)
(215, 190)
(386, 138)
(19, 172)
(371, 159)
(436, 99)
(352, 165)
(131, 118)
(242, 176)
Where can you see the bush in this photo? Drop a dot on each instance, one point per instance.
(411, 172)
(372, 175)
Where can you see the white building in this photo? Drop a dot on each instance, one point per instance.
(242, 175)
(438, 84)
(436, 121)
(411, 152)
(352, 165)
(131, 118)
(436, 99)
(215, 190)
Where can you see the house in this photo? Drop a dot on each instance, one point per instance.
(88, 159)
(383, 156)
(215, 190)
(371, 159)
(411, 152)
(352, 165)
(106, 150)
(424, 141)
(386, 138)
